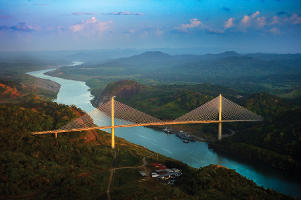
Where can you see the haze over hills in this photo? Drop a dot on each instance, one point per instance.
(278, 74)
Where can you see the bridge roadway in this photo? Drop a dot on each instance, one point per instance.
(140, 124)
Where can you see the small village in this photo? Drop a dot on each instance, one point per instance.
(162, 173)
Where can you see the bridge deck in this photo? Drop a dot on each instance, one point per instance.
(140, 124)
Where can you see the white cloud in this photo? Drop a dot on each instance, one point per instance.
(83, 13)
(229, 23)
(92, 20)
(193, 24)
(77, 27)
(197, 24)
(91, 25)
(295, 19)
(255, 14)
(261, 21)
(292, 19)
(124, 13)
(246, 20)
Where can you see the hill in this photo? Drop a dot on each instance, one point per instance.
(40, 167)
(14, 83)
(275, 142)
(9, 90)
(163, 101)
(277, 74)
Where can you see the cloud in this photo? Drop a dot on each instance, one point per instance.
(274, 30)
(213, 31)
(295, 19)
(226, 9)
(246, 20)
(229, 23)
(255, 14)
(20, 27)
(254, 20)
(261, 21)
(83, 13)
(77, 27)
(290, 19)
(275, 20)
(124, 13)
(197, 24)
(91, 25)
(110, 13)
(193, 24)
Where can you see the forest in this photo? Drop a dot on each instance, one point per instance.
(274, 142)
(71, 167)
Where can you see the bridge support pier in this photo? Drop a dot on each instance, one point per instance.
(55, 135)
(219, 137)
(113, 129)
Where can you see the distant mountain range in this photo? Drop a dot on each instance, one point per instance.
(278, 74)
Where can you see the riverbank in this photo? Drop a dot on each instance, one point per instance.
(257, 156)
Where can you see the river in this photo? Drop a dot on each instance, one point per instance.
(195, 154)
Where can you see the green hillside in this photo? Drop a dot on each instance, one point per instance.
(274, 142)
(40, 167)
(163, 101)
(15, 83)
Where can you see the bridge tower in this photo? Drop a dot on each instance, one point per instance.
(220, 118)
(113, 129)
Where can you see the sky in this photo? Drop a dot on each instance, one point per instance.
(213, 25)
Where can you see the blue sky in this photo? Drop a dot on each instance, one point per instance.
(213, 25)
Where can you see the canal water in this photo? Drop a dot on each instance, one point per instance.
(195, 154)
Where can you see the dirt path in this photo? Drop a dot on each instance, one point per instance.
(127, 167)
(109, 184)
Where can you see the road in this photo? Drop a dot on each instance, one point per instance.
(126, 167)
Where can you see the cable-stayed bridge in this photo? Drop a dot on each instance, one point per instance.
(114, 114)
